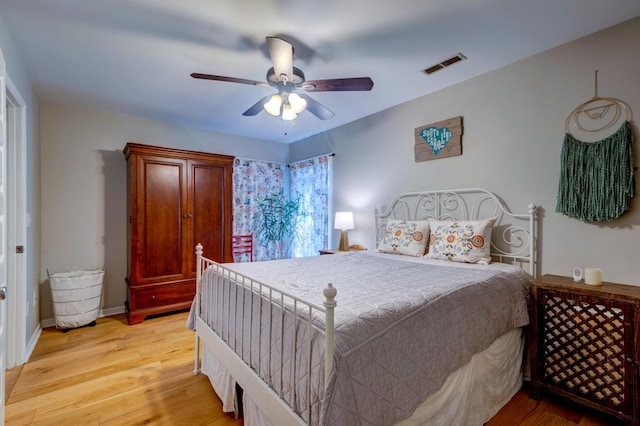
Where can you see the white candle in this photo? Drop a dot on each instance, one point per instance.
(593, 276)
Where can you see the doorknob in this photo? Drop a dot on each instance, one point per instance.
(3, 293)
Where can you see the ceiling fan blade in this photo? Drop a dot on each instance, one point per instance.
(281, 52)
(339, 85)
(316, 108)
(257, 107)
(228, 79)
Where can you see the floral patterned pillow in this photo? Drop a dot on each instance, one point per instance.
(461, 241)
(405, 237)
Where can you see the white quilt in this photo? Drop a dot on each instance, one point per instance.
(402, 326)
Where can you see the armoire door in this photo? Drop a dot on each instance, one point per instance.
(160, 209)
(209, 201)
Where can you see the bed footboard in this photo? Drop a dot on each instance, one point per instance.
(235, 333)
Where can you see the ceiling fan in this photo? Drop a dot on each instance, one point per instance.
(287, 103)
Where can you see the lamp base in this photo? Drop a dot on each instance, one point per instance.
(344, 241)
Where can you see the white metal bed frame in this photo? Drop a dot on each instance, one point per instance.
(270, 403)
(514, 243)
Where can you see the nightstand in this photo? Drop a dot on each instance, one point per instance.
(335, 251)
(328, 251)
(584, 343)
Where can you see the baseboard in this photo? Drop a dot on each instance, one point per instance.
(112, 311)
(51, 322)
(31, 345)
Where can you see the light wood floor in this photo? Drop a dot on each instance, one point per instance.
(115, 374)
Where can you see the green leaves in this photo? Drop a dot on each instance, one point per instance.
(276, 218)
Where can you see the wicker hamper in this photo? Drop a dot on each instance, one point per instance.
(76, 297)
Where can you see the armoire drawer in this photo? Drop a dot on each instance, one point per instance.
(161, 295)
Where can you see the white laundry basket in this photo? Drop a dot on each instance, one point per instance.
(76, 297)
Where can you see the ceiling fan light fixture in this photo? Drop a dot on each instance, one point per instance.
(272, 106)
(286, 79)
(298, 104)
(288, 113)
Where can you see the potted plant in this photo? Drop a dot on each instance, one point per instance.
(276, 221)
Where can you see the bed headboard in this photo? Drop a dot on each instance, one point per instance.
(513, 239)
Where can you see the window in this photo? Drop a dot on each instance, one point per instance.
(310, 180)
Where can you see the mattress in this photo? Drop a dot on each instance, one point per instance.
(403, 325)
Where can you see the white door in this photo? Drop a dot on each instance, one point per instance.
(3, 229)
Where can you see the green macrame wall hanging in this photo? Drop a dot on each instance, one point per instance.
(596, 178)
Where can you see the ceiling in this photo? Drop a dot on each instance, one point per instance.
(135, 56)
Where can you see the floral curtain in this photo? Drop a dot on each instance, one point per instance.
(311, 180)
(251, 179)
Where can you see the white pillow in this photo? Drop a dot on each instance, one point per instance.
(461, 241)
(405, 237)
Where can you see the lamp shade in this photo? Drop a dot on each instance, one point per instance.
(273, 105)
(288, 113)
(297, 103)
(344, 220)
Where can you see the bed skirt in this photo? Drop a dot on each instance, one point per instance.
(470, 396)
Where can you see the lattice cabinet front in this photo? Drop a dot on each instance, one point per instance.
(583, 343)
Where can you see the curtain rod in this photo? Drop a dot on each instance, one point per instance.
(331, 154)
(262, 161)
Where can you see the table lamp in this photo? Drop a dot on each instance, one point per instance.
(343, 222)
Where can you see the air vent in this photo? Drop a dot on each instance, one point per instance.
(447, 62)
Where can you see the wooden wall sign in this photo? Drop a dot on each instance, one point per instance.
(438, 140)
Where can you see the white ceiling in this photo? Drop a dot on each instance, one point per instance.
(135, 56)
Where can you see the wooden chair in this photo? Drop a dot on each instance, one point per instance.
(242, 244)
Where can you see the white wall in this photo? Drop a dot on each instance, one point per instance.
(513, 132)
(84, 205)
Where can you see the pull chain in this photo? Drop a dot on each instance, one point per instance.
(293, 124)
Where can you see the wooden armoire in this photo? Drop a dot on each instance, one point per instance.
(177, 199)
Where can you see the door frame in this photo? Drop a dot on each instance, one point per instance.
(18, 306)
